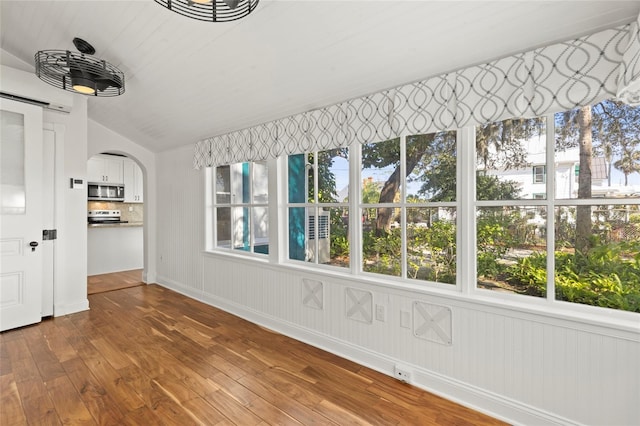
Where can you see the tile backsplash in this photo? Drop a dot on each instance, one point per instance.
(131, 212)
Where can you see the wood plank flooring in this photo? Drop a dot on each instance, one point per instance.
(146, 355)
(114, 281)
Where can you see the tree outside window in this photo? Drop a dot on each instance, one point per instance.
(594, 211)
(409, 208)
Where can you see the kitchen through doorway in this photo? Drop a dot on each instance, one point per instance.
(115, 221)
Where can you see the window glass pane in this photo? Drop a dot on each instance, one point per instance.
(240, 221)
(596, 258)
(381, 249)
(380, 172)
(261, 230)
(339, 236)
(297, 178)
(318, 243)
(511, 249)
(431, 244)
(431, 167)
(12, 163)
(223, 185)
(297, 234)
(333, 176)
(239, 177)
(223, 226)
(607, 135)
(260, 183)
(506, 154)
(311, 172)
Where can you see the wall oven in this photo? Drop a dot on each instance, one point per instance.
(105, 192)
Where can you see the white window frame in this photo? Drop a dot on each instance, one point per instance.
(316, 207)
(212, 206)
(403, 205)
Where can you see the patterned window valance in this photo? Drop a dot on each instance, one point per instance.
(550, 79)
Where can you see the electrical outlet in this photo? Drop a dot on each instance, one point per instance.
(402, 373)
(380, 313)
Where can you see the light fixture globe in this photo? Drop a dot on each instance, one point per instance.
(79, 72)
(211, 10)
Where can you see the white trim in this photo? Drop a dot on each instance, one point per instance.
(66, 309)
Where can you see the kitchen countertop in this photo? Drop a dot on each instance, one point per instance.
(115, 225)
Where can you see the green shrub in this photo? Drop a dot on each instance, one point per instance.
(607, 276)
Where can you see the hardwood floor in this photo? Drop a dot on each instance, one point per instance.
(114, 281)
(146, 355)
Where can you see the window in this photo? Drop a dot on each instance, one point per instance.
(597, 211)
(510, 225)
(408, 207)
(318, 209)
(593, 213)
(539, 174)
(241, 211)
(407, 210)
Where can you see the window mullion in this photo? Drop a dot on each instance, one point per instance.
(466, 247)
(277, 191)
(249, 208)
(355, 212)
(403, 206)
(551, 216)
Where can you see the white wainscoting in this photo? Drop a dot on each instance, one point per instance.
(522, 366)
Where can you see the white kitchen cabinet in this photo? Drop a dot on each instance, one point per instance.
(105, 168)
(114, 249)
(133, 183)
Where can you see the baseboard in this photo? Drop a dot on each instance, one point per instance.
(60, 310)
(481, 400)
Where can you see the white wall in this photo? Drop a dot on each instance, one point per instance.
(517, 362)
(102, 139)
(70, 288)
(182, 238)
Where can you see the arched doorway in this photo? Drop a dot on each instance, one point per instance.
(115, 216)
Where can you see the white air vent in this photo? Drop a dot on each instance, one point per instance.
(359, 305)
(312, 294)
(323, 241)
(432, 322)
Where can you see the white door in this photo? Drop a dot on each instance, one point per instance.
(20, 214)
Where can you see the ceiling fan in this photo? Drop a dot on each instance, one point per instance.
(79, 72)
(211, 10)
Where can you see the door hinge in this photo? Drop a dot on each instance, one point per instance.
(49, 234)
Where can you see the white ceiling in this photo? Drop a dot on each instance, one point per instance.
(187, 80)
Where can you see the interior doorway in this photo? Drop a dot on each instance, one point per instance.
(116, 222)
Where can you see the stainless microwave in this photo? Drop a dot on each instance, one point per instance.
(105, 191)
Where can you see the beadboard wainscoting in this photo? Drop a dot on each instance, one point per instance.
(524, 366)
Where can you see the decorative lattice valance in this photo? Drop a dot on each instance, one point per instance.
(550, 79)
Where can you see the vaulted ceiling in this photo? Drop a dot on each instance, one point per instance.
(188, 80)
